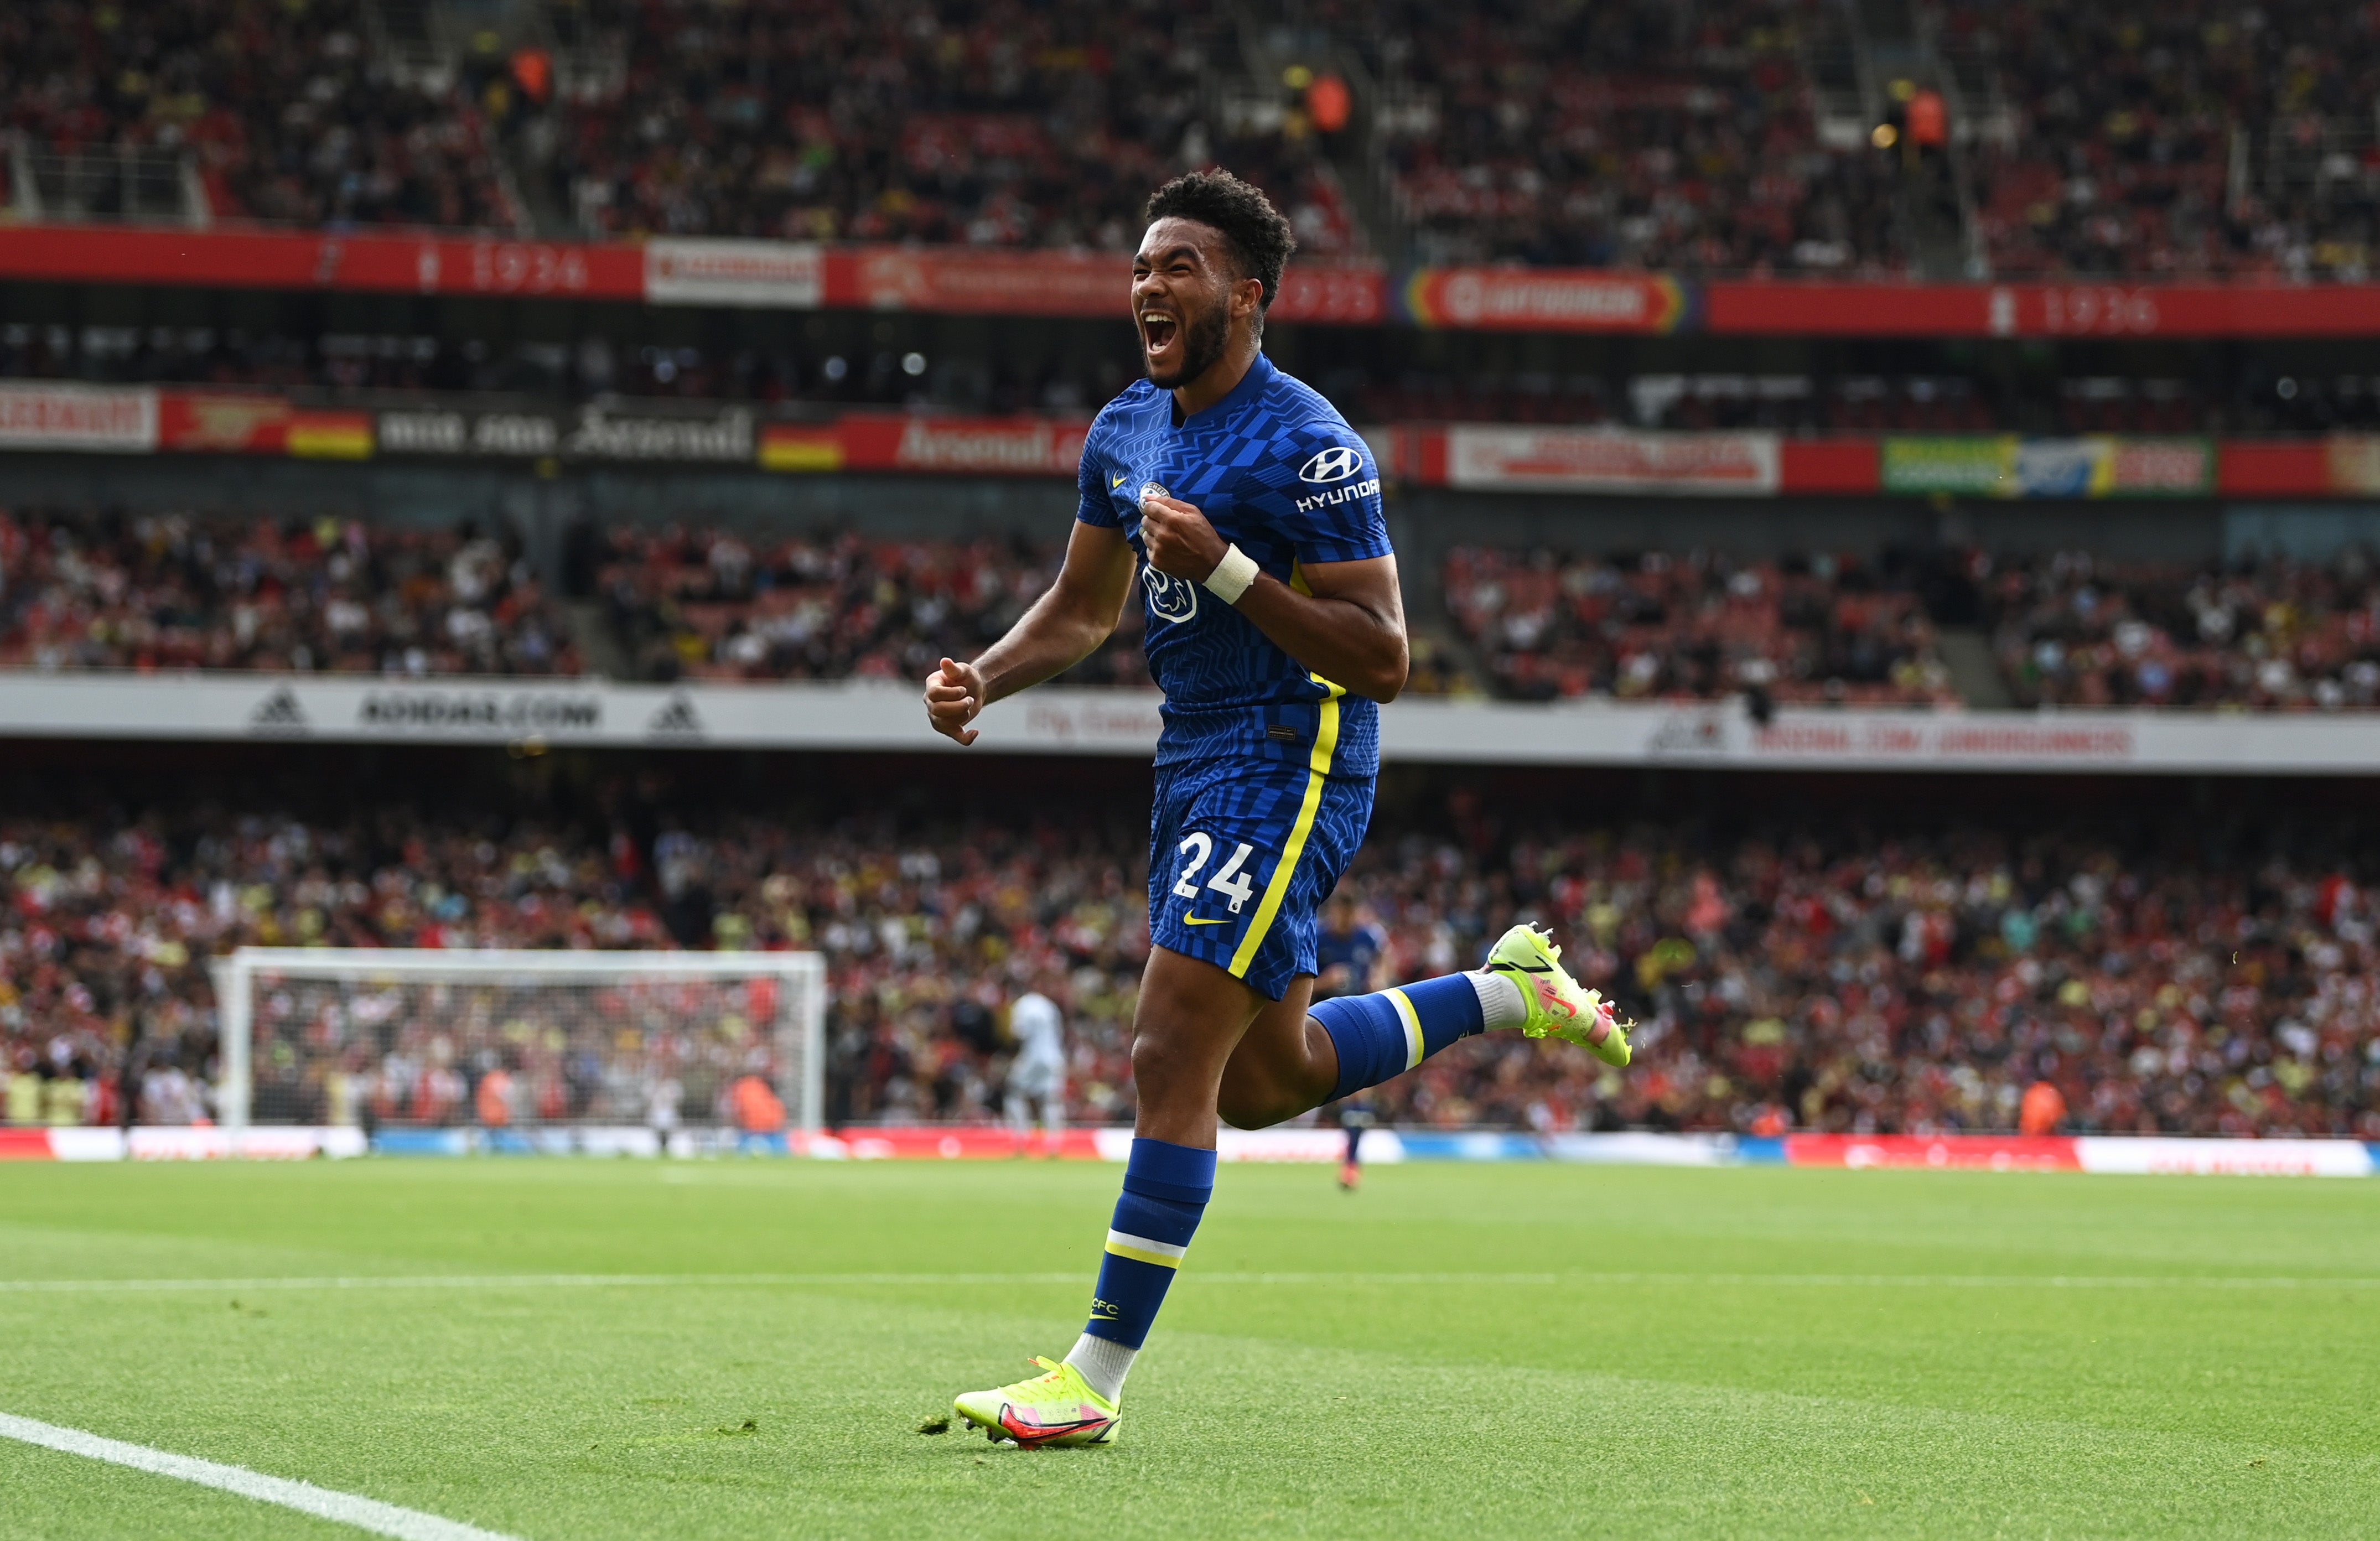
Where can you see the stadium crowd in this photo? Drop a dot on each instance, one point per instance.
(1825, 979)
(83, 590)
(1696, 625)
(2076, 630)
(2197, 138)
(286, 110)
(2177, 138)
(1040, 125)
(711, 604)
(1624, 134)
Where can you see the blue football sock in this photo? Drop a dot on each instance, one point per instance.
(1165, 1190)
(1380, 1036)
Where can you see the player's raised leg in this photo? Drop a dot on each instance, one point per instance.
(1294, 1057)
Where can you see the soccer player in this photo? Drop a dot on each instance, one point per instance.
(1351, 958)
(1251, 513)
(1038, 1074)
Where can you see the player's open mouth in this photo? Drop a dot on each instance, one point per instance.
(1158, 332)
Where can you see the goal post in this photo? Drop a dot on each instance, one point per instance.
(412, 1035)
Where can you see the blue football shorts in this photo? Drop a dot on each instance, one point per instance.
(1241, 852)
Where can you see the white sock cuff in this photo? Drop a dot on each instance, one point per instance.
(1103, 1362)
(1501, 1004)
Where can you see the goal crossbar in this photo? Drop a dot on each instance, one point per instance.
(803, 1014)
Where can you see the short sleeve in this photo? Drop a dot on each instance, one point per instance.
(1095, 506)
(1321, 490)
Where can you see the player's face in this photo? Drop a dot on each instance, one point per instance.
(1181, 300)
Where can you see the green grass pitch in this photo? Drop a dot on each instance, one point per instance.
(1633, 1351)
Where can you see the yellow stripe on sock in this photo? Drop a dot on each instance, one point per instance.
(1412, 1025)
(1325, 745)
(1142, 1255)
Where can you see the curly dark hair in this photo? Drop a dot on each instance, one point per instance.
(1260, 239)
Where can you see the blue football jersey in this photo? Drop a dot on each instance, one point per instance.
(1280, 474)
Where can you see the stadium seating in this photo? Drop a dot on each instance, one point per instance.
(2177, 138)
(711, 604)
(1662, 626)
(2076, 630)
(972, 125)
(1827, 981)
(1625, 135)
(290, 114)
(83, 590)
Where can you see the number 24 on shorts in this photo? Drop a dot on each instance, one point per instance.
(1229, 881)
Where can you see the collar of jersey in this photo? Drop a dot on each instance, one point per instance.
(1260, 374)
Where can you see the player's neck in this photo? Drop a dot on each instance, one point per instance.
(1220, 378)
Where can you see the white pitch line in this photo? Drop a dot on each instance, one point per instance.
(1193, 1276)
(680, 1281)
(346, 1508)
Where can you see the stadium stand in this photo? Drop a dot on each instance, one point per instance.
(2191, 138)
(286, 111)
(1826, 979)
(706, 604)
(85, 588)
(2075, 630)
(2185, 139)
(960, 124)
(1624, 134)
(82, 589)
(1694, 625)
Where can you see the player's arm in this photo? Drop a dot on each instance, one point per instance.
(1065, 627)
(1350, 629)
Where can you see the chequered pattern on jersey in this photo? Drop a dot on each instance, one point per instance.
(1240, 464)
(1231, 802)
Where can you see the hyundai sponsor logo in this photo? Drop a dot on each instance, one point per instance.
(1368, 488)
(1336, 463)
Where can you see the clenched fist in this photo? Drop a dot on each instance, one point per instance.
(953, 697)
(1178, 538)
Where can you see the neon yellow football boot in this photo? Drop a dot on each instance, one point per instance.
(1526, 955)
(1058, 1408)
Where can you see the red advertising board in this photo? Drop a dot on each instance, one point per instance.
(203, 423)
(960, 280)
(1990, 1152)
(1546, 299)
(426, 264)
(976, 446)
(1766, 307)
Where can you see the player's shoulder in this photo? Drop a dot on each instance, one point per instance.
(1128, 410)
(1303, 424)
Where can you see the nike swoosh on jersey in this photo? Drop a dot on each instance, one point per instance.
(1116, 482)
(1194, 920)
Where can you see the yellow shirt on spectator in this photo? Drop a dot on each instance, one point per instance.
(24, 1098)
(64, 1102)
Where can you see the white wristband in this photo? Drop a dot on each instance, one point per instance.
(1232, 575)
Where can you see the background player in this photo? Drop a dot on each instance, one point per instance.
(1038, 1074)
(1252, 513)
(1349, 958)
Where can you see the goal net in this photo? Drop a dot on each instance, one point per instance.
(516, 1039)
